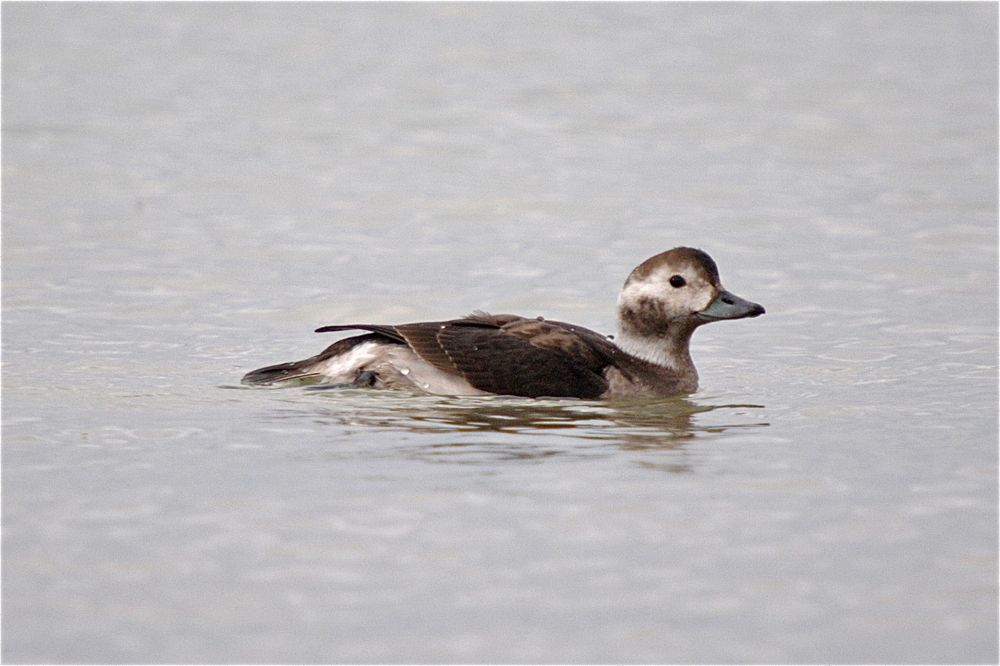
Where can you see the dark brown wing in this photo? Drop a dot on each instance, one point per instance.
(511, 355)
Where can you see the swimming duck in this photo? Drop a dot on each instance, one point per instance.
(662, 302)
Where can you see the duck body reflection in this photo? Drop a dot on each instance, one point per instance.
(488, 429)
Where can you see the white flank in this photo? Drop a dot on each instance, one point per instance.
(344, 368)
(396, 366)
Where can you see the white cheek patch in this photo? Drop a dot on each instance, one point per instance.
(700, 294)
(676, 301)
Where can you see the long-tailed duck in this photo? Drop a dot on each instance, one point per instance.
(662, 302)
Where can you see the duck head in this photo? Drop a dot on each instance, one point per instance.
(666, 298)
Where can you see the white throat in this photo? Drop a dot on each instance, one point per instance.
(664, 352)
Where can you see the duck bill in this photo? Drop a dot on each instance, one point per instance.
(729, 306)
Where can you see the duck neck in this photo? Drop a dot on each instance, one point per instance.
(669, 348)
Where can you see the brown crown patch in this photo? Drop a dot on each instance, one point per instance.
(677, 257)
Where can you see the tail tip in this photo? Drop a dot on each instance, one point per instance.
(273, 374)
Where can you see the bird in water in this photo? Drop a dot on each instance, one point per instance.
(663, 301)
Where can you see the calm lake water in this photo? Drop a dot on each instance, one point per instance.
(190, 189)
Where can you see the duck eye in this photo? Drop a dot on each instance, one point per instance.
(676, 281)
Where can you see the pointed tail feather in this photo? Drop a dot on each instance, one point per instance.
(312, 367)
(278, 373)
(389, 332)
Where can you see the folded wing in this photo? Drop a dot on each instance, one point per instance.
(509, 355)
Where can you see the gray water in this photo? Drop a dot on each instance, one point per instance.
(190, 189)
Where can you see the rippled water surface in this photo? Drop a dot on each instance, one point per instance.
(190, 189)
